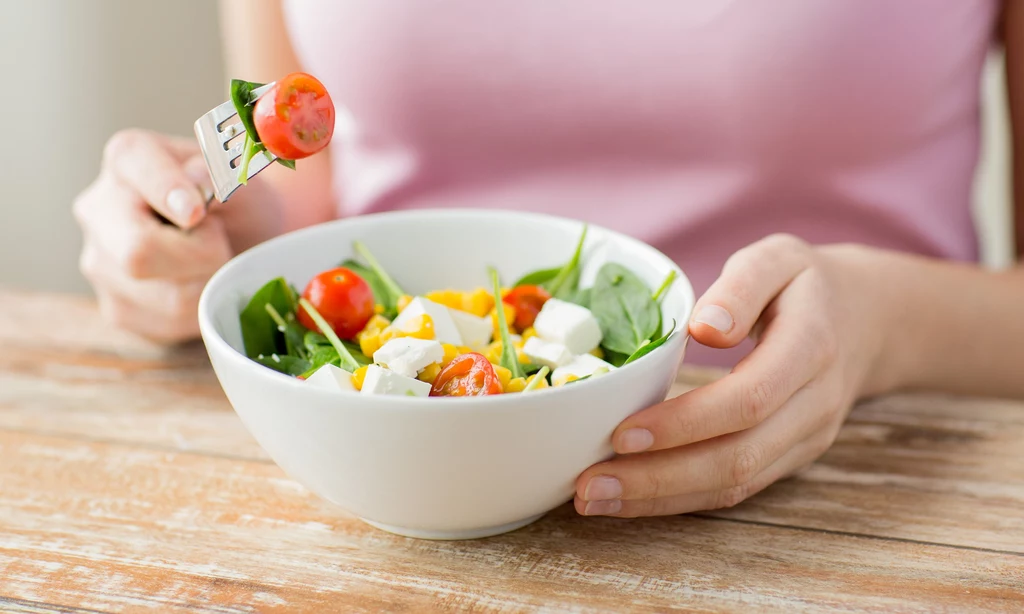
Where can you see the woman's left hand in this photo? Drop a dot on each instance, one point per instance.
(819, 324)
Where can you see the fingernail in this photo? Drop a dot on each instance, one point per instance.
(183, 204)
(716, 317)
(602, 487)
(602, 508)
(635, 440)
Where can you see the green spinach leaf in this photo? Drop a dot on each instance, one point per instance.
(538, 278)
(347, 360)
(509, 357)
(647, 348)
(260, 333)
(625, 309)
(244, 100)
(381, 293)
(563, 281)
(289, 365)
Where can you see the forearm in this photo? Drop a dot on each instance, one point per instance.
(946, 326)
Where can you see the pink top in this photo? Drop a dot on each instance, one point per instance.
(698, 127)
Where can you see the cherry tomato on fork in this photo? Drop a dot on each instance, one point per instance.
(295, 119)
(528, 301)
(466, 376)
(342, 298)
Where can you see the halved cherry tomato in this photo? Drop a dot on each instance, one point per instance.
(295, 119)
(528, 301)
(468, 375)
(342, 298)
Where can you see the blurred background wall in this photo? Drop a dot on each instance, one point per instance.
(157, 64)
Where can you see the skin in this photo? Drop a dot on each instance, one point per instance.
(833, 324)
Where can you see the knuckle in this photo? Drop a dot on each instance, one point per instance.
(756, 402)
(783, 244)
(746, 464)
(123, 142)
(653, 484)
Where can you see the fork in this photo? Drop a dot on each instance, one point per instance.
(222, 148)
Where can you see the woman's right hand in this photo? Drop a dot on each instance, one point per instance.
(148, 274)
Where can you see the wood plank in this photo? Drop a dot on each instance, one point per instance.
(112, 527)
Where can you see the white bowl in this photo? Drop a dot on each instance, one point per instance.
(438, 468)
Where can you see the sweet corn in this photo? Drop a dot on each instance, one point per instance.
(510, 317)
(542, 384)
(493, 352)
(378, 309)
(478, 302)
(504, 375)
(529, 332)
(565, 380)
(403, 302)
(448, 298)
(358, 377)
(450, 352)
(464, 349)
(369, 343)
(516, 384)
(429, 373)
(420, 327)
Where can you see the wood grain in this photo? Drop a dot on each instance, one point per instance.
(128, 484)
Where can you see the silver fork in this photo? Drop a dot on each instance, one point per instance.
(222, 142)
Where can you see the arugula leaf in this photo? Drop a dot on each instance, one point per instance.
(381, 294)
(624, 308)
(538, 278)
(509, 358)
(615, 359)
(562, 282)
(244, 100)
(260, 333)
(389, 289)
(348, 362)
(289, 365)
(647, 348)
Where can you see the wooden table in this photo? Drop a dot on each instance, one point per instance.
(127, 484)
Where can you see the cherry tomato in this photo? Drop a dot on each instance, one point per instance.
(527, 300)
(295, 119)
(467, 376)
(342, 298)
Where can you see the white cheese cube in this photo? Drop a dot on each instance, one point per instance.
(475, 331)
(580, 366)
(330, 377)
(569, 324)
(445, 329)
(546, 353)
(408, 356)
(385, 381)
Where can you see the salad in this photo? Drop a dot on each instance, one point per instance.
(354, 328)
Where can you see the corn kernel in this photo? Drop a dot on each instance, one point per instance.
(479, 302)
(598, 352)
(516, 384)
(504, 375)
(378, 309)
(403, 302)
(358, 377)
(369, 343)
(420, 327)
(465, 349)
(429, 373)
(529, 332)
(493, 352)
(542, 384)
(448, 298)
(450, 352)
(565, 380)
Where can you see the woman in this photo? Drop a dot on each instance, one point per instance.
(707, 129)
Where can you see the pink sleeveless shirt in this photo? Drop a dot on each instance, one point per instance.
(698, 127)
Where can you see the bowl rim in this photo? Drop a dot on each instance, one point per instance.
(212, 337)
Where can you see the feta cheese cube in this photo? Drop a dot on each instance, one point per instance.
(330, 377)
(385, 381)
(546, 353)
(475, 331)
(569, 324)
(580, 366)
(445, 329)
(408, 356)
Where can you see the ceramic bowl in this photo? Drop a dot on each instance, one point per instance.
(438, 468)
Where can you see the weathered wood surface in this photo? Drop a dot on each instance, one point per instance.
(127, 484)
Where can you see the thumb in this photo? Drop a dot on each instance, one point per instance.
(750, 281)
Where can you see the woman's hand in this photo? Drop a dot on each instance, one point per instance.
(819, 328)
(148, 274)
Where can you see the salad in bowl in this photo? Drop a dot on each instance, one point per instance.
(355, 329)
